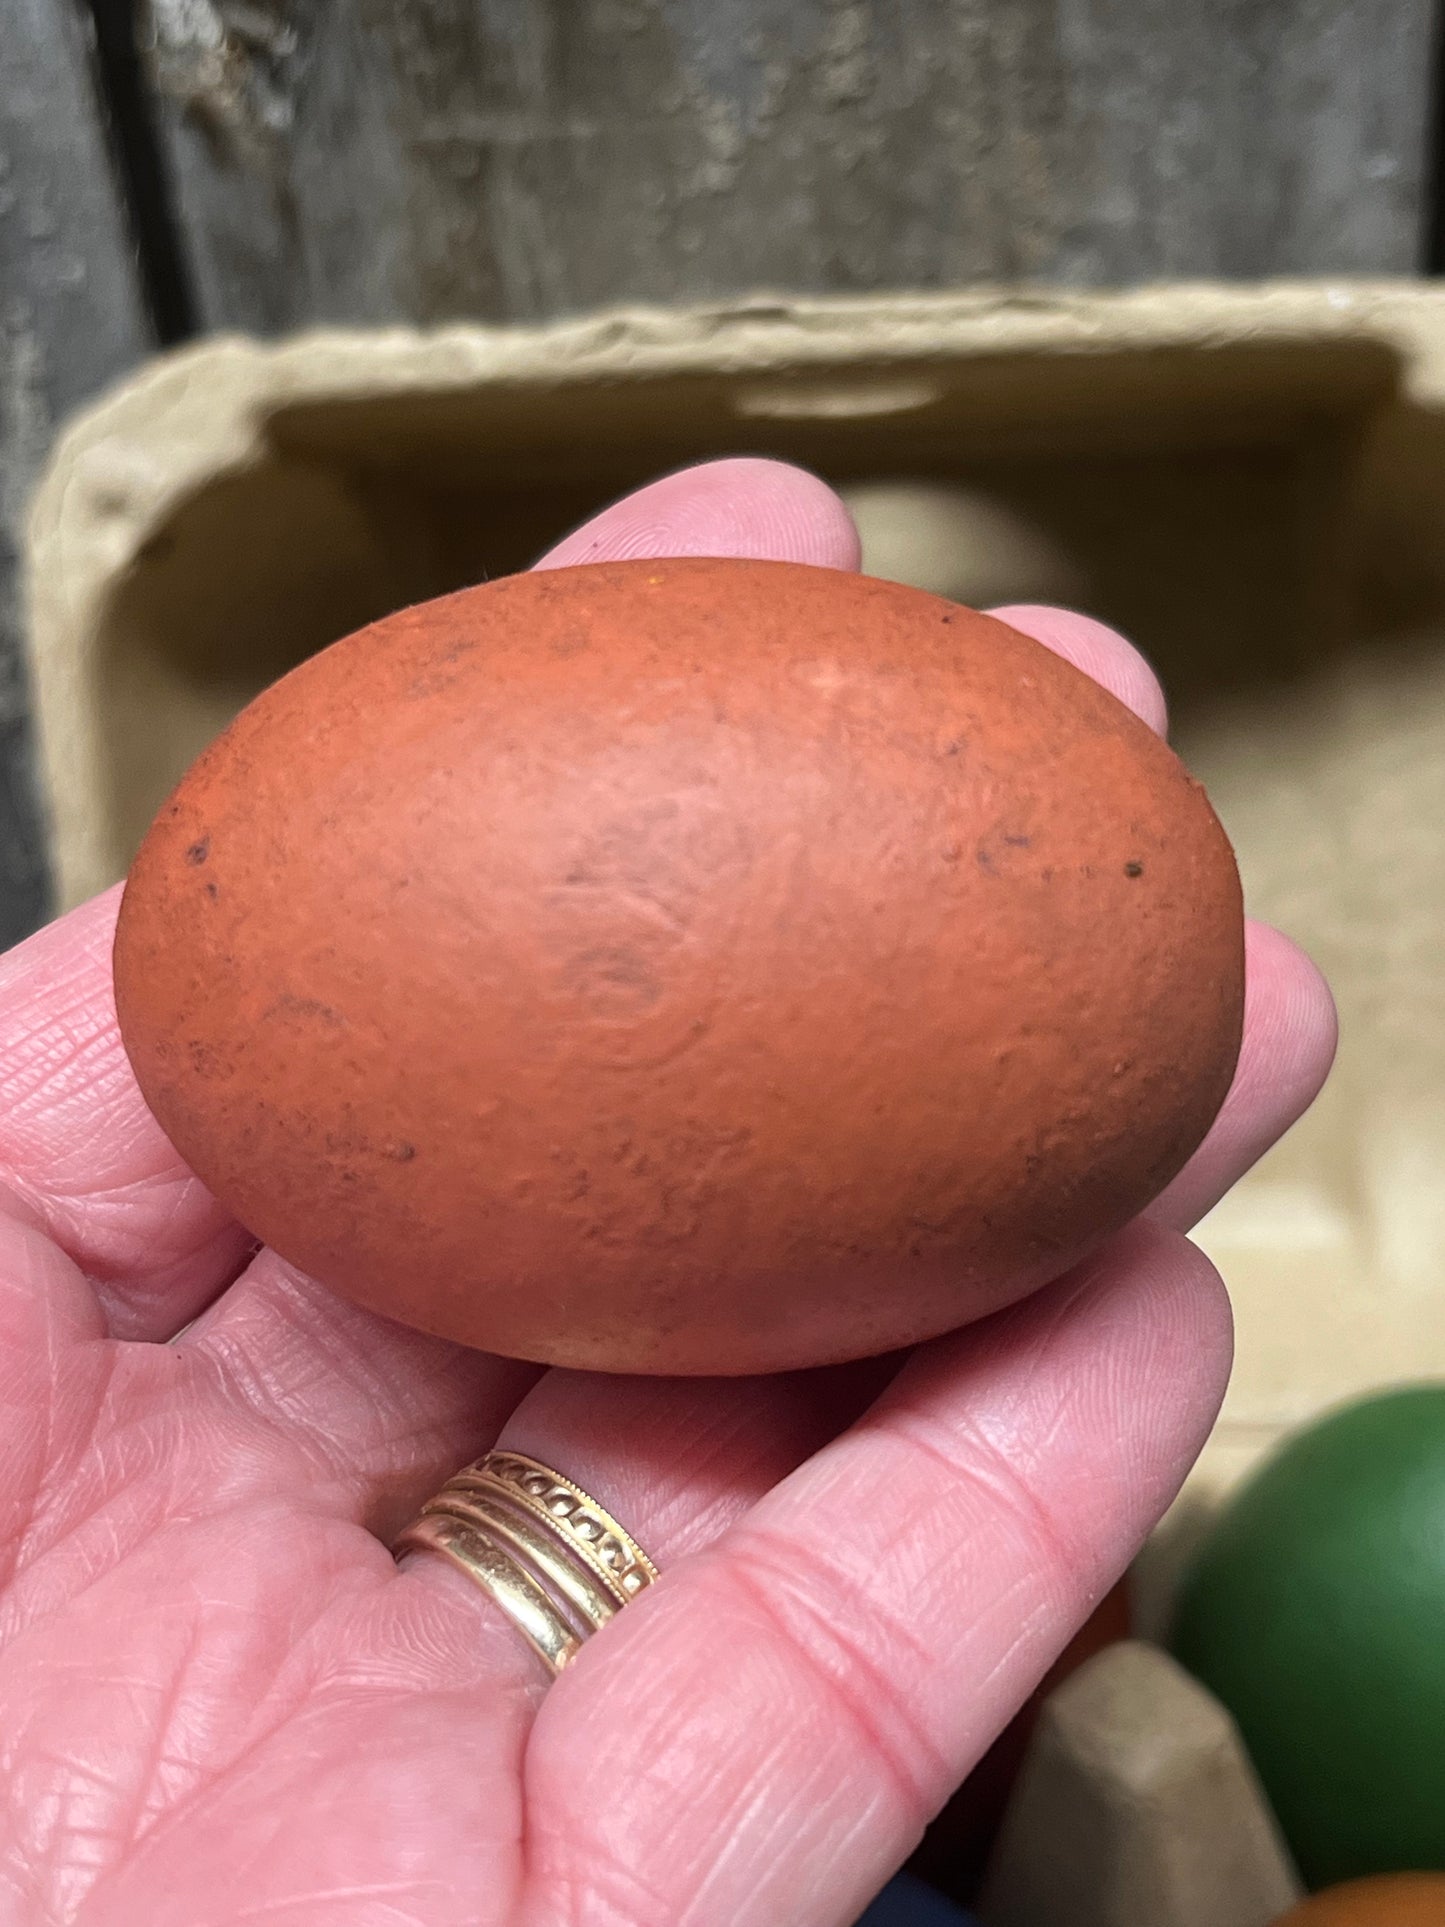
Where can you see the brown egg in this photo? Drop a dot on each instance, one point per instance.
(689, 966)
(1383, 1900)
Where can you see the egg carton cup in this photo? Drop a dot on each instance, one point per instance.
(1137, 1805)
(1250, 481)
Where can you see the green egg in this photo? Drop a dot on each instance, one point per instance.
(1316, 1612)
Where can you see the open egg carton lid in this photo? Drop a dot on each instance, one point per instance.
(1249, 481)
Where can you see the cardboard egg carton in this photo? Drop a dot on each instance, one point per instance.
(1137, 1806)
(1249, 481)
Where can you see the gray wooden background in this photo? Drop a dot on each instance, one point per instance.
(176, 166)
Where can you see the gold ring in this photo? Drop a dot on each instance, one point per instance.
(556, 1562)
(550, 1496)
(520, 1597)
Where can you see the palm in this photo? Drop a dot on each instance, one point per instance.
(221, 1702)
(202, 1646)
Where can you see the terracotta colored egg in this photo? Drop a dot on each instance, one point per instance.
(1386, 1900)
(690, 966)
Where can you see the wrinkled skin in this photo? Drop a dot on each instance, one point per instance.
(221, 1702)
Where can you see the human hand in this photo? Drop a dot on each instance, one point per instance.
(220, 1700)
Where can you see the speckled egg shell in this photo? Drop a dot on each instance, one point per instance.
(688, 966)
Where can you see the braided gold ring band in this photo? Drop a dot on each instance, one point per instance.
(556, 1562)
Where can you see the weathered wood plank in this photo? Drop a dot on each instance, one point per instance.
(71, 318)
(423, 159)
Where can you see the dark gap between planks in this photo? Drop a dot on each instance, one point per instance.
(141, 168)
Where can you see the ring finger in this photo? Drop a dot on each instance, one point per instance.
(853, 1600)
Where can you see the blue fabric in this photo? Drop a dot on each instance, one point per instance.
(906, 1902)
